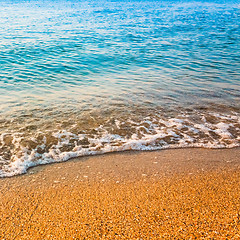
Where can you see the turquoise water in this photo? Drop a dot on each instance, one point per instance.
(89, 77)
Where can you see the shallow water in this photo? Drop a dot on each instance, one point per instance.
(80, 78)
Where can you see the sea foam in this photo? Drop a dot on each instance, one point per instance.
(149, 134)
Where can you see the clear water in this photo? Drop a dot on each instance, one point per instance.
(89, 77)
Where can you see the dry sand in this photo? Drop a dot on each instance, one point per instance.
(169, 194)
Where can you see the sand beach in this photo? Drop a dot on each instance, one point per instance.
(168, 194)
(119, 120)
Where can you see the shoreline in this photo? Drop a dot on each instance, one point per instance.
(190, 192)
(117, 153)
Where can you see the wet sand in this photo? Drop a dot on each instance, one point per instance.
(169, 194)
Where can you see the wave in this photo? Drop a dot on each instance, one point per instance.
(22, 150)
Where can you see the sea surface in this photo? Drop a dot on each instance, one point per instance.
(89, 77)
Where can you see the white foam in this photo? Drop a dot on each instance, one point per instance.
(166, 133)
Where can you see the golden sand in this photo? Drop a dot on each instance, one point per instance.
(173, 194)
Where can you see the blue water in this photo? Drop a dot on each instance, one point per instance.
(116, 72)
